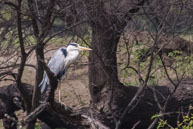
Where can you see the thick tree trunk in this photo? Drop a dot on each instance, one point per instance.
(103, 74)
(107, 28)
(103, 67)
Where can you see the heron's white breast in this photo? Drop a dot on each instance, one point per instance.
(72, 56)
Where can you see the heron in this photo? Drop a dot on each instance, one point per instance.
(60, 62)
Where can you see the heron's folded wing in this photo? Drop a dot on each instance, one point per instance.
(57, 62)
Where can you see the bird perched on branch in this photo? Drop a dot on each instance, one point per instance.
(60, 62)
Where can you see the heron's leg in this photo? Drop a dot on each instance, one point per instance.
(59, 96)
(59, 88)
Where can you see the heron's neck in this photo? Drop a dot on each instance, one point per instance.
(72, 56)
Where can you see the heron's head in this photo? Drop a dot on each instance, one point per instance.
(77, 47)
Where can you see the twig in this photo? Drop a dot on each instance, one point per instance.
(17, 65)
(35, 113)
(7, 116)
(94, 123)
(135, 125)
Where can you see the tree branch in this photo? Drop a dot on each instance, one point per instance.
(23, 60)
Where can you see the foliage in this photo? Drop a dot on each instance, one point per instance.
(181, 62)
(162, 124)
(185, 123)
(139, 51)
(37, 126)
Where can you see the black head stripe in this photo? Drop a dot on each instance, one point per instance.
(74, 44)
(64, 51)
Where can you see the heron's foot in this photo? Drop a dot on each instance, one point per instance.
(65, 106)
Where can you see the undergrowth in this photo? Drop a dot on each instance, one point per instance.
(185, 123)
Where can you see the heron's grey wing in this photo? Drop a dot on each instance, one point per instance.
(57, 62)
(56, 65)
(44, 83)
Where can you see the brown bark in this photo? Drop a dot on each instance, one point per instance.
(107, 28)
(106, 31)
(103, 67)
(57, 115)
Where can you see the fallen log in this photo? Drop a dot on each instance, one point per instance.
(57, 115)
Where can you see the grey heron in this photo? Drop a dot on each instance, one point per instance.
(60, 62)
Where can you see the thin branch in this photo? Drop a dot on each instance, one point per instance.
(17, 65)
(35, 113)
(23, 59)
(94, 123)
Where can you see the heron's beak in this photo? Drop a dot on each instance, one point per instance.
(85, 48)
